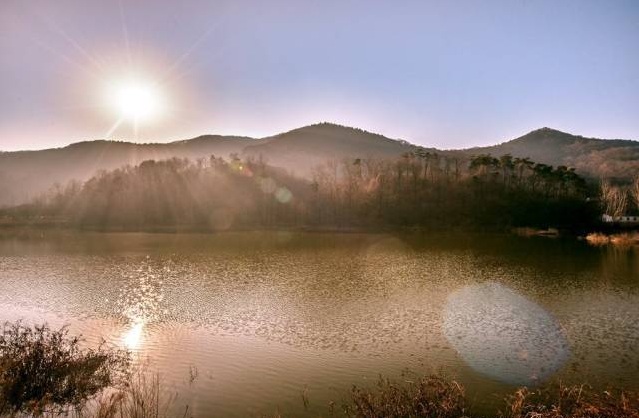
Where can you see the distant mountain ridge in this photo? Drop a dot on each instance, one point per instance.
(26, 174)
(301, 149)
(591, 157)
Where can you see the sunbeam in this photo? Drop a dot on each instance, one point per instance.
(125, 33)
(114, 127)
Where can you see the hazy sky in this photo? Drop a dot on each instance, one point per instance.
(443, 73)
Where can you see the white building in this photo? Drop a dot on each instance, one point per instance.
(620, 219)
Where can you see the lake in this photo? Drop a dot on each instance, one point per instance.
(258, 318)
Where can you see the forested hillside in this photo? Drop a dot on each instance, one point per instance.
(25, 175)
(595, 158)
(420, 189)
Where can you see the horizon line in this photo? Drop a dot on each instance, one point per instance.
(174, 141)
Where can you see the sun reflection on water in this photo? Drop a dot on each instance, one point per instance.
(140, 301)
(132, 338)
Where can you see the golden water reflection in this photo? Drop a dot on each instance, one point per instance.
(141, 298)
(133, 337)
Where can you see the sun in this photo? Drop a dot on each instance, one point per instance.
(136, 101)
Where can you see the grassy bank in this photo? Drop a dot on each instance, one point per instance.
(622, 239)
(46, 373)
(436, 397)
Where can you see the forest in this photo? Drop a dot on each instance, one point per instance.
(419, 189)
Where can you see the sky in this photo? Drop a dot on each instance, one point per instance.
(449, 74)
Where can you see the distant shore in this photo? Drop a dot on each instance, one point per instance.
(607, 235)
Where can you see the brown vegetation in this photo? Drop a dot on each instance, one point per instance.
(429, 397)
(560, 401)
(614, 199)
(597, 238)
(25, 174)
(46, 371)
(436, 397)
(624, 239)
(143, 397)
(420, 189)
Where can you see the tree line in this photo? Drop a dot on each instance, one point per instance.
(418, 189)
(432, 190)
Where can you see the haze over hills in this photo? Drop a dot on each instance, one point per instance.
(26, 174)
(301, 149)
(591, 157)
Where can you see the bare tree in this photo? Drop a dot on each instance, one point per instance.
(614, 199)
(634, 191)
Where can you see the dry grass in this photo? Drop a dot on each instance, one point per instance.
(560, 401)
(430, 397)
(625, 239)
(597, 238)
(436, 397)
(143, 397)
(45, 371)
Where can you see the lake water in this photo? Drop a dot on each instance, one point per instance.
(261, 317)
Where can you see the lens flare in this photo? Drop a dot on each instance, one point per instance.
(504, 335)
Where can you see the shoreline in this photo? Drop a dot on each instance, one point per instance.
(618, 237)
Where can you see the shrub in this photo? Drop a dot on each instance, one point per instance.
(559, 401)
(144, 396)
(44, 370)
(429, 397)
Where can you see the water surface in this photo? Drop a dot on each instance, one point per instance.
(263, 316)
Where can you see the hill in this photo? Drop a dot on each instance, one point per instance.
(26, 174)
(301, 149)
(591, 157)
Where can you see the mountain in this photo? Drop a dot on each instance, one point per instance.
(591, 157)
(27, 174)
(301, 149)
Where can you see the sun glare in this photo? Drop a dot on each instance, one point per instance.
(133, 335)
(136, 101)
